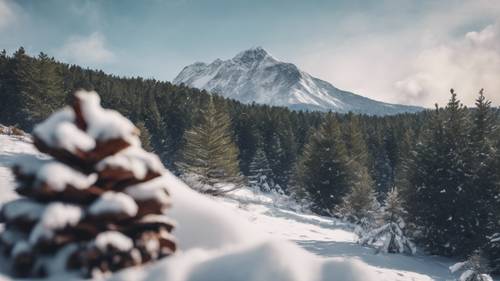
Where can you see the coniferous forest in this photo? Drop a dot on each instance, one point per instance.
(441, 167)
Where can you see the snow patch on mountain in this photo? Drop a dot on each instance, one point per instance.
(256, 76)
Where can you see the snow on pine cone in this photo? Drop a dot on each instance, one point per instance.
(96, 206)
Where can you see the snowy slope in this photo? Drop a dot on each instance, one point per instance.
(256, 76)
(246, 236)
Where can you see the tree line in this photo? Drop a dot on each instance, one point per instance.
(444, 162)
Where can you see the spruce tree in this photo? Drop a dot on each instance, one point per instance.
(323, 169)
(436, 191)
(50, 91)
(360, 205)
(260, 173)
(484, 183)
(23, 83)
(145, 136)
(354, 140)
(210, 154)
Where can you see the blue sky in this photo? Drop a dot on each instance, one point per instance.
(397, 51)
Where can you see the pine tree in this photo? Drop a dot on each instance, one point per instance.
(435, 195)
(484, 183)
(210, 154)
(390, 237)
(323, 169)
(23, 83)
(145, 136)
(50, 91)
(260, 173)
(360, 205)
(354, 140)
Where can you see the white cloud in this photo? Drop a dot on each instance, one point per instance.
(471, 63)
(89, 50)
(414, 60)
(7, 14)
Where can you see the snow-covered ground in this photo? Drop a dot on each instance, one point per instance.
(246, 236)
(330, 238)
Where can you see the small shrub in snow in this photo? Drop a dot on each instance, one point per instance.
(260, 172)
(97, 207)
(390, 237)
(474, 269)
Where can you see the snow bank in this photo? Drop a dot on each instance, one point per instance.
(204, 223)
(217, 244)
(263, 261)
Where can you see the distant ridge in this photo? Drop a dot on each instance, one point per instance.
(256, 76)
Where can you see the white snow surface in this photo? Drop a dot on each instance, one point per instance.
(256, 76)
(251, 236)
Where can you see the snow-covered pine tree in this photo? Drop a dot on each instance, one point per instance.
(96, 206)
(473, 269)
(360, 205)
(210, 156)
(436, 196)
(390, 237)
(481, 194)
(260, 173)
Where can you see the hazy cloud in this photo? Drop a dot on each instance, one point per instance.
(87, 50)
(471, 63)
(7, 14)
(456, 44)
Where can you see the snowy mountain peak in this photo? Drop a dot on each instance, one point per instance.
(252, 55)
(254, 75)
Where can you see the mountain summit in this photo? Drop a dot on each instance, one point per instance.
(256, 76)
